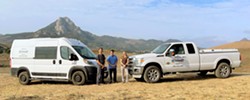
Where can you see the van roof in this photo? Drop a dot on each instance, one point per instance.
(71, 41)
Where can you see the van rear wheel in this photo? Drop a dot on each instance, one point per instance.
(78, 78)
(24, 78)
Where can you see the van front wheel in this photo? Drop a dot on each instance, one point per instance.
(78, 78)
(24, 78)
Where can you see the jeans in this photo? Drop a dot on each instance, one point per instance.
(124, 71)
(100, 75)
(114, 72)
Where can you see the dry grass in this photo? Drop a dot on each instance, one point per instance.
(172, 87)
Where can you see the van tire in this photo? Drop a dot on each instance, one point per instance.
(24, 78)
(78, 78)
(223, 70)
(152, 74)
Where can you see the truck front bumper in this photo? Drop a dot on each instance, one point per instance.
(137, 71)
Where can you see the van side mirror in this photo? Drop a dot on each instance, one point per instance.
(73, 57)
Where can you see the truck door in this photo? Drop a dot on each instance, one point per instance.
(192, 58)
(176, 59)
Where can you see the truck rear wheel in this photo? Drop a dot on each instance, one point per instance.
(223, 70)
(152, 74)
(24, 78)
(78, 78)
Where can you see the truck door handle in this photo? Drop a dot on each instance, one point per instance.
(54, 61)
(60, 61)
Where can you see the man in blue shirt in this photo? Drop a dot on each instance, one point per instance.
(112, 65)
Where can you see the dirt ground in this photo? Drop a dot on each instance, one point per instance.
(172, 87)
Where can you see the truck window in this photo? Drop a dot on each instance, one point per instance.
(178, 49)
(65, 52)
(190, 48)
(45, 52)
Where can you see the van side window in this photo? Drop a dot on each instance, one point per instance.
(178, 49)
(65, 52)
(190, 48)
(45, 52)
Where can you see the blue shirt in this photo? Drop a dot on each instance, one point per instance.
(112, 60)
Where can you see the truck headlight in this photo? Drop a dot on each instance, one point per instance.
(140, 61)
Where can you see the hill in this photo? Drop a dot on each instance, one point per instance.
(65, 27)
(244, 48)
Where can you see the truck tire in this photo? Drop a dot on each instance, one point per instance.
(78, 78)
(202, 73)
(24, 78)
(223, 70)
(152, 74)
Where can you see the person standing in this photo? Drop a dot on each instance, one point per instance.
(124, 67)
(101, 66)
(112, 65)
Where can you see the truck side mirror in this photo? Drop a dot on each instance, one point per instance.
(73, 57)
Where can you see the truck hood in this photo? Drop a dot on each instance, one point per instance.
(147, 55)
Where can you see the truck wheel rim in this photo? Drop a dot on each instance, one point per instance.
(153, 74)
(224, 70)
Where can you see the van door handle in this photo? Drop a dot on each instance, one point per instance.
(54, 61)
(60, 61)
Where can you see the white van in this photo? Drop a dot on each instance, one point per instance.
(52, 59)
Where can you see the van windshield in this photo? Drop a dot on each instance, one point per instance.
(85, 52)
(161, 49)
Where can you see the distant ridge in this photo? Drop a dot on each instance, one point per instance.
(65, 27)
(243, 44)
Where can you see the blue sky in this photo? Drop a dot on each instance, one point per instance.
(206, 22)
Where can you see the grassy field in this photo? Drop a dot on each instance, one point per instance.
(172, 87)
(187, 86)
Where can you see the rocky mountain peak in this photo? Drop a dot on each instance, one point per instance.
(62, 26)
(244, 39)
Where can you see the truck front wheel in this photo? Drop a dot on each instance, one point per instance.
(223, 70)
(152, 74)
(78, 78)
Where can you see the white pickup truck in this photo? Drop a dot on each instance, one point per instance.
(183, 57)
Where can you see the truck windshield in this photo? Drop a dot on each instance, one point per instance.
(85, 52)
(160, 49)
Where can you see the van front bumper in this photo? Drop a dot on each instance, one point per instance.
(91, 72)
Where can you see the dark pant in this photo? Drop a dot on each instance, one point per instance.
(114, 72)
(100, 75)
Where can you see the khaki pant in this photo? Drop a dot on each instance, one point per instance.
(124, 71)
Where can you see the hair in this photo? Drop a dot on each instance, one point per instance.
(112, 50)
(101, 48)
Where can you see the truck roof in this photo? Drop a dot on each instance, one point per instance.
(177, 42)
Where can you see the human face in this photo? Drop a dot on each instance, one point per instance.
(111, 53)
(100, 51)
